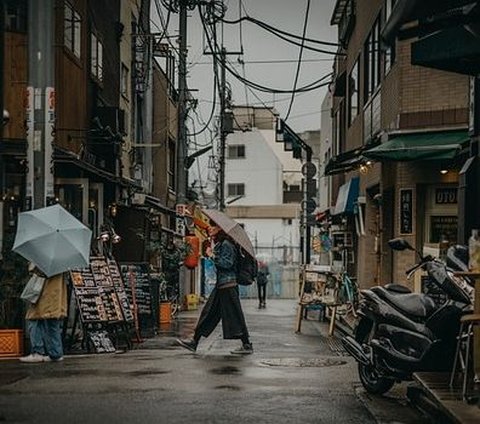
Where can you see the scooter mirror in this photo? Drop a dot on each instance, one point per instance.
(399, 244)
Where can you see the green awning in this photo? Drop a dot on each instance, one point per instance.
(426, 146)
(453, 49)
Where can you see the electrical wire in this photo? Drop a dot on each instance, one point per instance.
(299, 64)
(214, 48)
(273, 29)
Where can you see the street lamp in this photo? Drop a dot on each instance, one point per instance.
(6, 117)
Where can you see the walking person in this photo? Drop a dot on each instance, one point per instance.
(262, 280)
(224, 301)
(45, 321)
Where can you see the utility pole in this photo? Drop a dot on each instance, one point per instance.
(41, 103)
(223, 134)
(182, 108)
(2, 50)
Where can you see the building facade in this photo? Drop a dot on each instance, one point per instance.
(103, 153)
(262, 184)
(399, 132)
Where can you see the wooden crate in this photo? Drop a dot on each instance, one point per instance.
(11, 343)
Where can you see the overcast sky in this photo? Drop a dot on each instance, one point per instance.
(260, 45)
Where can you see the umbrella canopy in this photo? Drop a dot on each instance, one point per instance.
(232, 228)
(53, 239)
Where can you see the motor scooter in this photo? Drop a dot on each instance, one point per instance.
(400, 332)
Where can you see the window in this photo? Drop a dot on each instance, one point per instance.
(353, 88)
(72, 30)
(372, 62)
(171, 165)
(16, 15)
(96, 64)
(236, 190)
(236, 151)
(389, 54)
(124, 77)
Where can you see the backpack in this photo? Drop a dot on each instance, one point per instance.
(247, 268)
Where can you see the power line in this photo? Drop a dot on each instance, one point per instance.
(273, 30)
(299, 64)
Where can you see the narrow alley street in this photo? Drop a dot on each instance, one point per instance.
(291, 378)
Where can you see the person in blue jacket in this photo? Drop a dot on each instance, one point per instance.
(224, 301)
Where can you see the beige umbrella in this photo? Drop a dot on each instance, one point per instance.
(232, 228)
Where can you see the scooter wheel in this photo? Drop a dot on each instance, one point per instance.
(372, 382)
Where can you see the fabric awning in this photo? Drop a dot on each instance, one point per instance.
(347, 196)
(453, 49)
(344, 162)
(425, 146)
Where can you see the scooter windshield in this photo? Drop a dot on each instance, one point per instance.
(455, 287)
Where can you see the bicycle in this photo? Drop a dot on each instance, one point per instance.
(347, 292)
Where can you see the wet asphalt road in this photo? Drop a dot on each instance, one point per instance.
(291, 378)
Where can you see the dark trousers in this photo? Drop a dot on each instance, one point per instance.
(223, 304)
(262, 293)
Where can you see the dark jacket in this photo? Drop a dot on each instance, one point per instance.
(225, 259)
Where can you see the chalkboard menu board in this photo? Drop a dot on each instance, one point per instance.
(101, 341)
(136, 277)
(116, 277)
(100, 293)
(431, 289)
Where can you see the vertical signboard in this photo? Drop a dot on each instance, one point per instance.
(406, 211)
(30, 122)
(49, 133)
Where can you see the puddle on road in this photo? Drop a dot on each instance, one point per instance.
(303, 363)
(228, 387)
(227, 370)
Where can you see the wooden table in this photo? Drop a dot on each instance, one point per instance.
(476, 309)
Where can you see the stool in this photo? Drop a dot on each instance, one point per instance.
(465, 358)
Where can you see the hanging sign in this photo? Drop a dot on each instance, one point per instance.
(406, 211)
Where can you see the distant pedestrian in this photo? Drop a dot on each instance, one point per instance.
(45, 321)
(262, 280)
(223, 304)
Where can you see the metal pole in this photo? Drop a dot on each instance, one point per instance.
(223, 134)
(2, 49)
(41, 29)
(182, 91)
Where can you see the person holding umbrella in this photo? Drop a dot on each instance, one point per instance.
(45, 319)
(54, 241)
(224, 302)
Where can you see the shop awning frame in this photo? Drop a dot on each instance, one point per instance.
(442, 145)
(348, 161)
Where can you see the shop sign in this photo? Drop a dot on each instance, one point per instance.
(406, 211)
(446, 196)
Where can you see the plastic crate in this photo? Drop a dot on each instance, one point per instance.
(11, 343)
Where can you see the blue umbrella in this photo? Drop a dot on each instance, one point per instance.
(53, 239)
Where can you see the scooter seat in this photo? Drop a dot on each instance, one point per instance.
(414, 304)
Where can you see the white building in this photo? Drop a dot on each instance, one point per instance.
(258, 176)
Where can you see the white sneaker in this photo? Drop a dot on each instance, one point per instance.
(34, 358)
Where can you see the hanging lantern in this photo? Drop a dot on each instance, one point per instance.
(191, 260)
